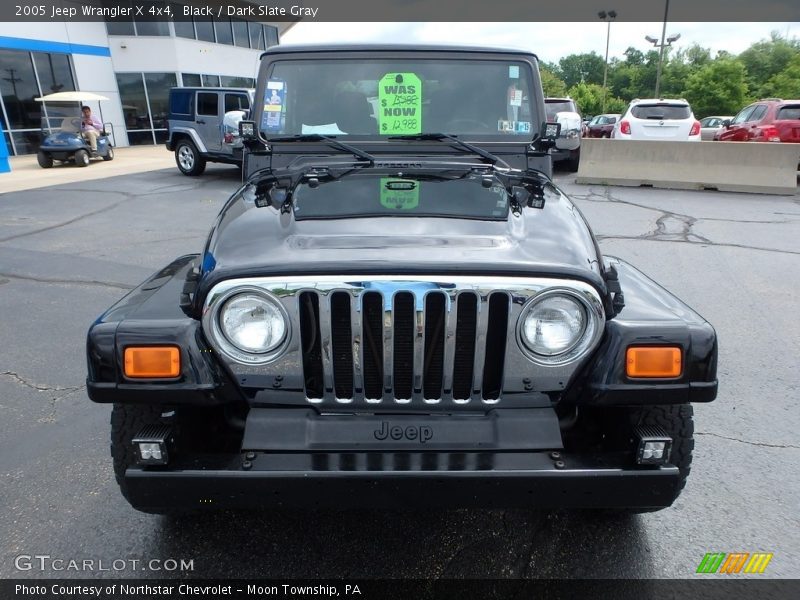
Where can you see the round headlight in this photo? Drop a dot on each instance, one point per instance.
(252, 323)
(553, 325)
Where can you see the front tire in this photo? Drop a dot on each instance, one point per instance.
(188, 159)
(126, 421)
(44, 159)
(110, 154)
(81, 158)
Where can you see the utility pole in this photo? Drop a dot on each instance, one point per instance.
(662, 45)
(607, 17)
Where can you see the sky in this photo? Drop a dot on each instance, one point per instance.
(550, 41)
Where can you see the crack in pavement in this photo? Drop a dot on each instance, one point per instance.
(671, 226)
(709, 243)
(51, 416)
(733, 439)
(86, 282)
(16, 377)
(65, 223)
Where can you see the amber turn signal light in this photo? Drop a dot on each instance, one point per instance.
(654, 361)
(152, 361)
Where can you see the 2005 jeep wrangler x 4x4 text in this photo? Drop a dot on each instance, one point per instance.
(398, 307)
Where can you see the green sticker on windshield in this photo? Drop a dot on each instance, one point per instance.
(400, 104)
(399, 194)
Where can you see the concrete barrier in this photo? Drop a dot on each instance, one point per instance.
(764, 168)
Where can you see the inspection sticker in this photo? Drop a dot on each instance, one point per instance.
(274, 97)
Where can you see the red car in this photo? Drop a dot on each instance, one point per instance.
(601, 126)
(769, 120)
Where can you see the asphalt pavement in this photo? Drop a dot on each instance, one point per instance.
(68, 252)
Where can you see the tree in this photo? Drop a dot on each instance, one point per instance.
(785, 84)
(766, 59)
(553, 86)
(577, 68)
(719, 88)
(589, 98)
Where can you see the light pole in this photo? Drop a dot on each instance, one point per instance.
(607, 17)
(662, 45)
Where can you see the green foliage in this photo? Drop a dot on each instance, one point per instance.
(552, 85)
(578, 68)
(766, 59)
(721, 84)
(589, 98)
(718, 88)
(785, 84)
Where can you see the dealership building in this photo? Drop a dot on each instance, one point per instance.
(132, 63)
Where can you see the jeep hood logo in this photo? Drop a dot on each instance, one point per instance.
(411, 433)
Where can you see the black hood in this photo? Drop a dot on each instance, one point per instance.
(264, 241)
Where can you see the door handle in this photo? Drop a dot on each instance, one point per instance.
(200, 122)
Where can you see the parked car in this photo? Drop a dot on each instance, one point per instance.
(202, 124)
(657, 119)
(709, 126)
(568, 148)
(400, 308)
(601, 126)
(769, 120)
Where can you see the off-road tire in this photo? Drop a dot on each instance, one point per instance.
(81, 158)
(188, 158)
(44, 159)
(573, 161)
(126, 421)
(677, 421)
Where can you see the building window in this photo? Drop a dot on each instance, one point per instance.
(242, 82)
(241, 35)
(25, 76)
(140, 27)
(145, 104)
(205, 31)
(210, 80)
(191, 80)
(222, 29)
(271, 35)
(256, 36)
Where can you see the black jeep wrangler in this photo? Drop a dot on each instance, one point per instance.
(398, 307)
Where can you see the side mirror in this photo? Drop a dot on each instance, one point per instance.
(247, 130)
(726, 123)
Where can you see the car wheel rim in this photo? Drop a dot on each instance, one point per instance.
(186, 157)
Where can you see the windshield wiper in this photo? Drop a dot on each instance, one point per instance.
(318, 137)
(492, 158)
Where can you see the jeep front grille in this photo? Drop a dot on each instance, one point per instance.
(403, 347)
(388, 342)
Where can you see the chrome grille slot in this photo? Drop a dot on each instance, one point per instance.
(464, 355)
(372, 345)
(340, 344)
(433, 366)
(403, 355)
(496, 338)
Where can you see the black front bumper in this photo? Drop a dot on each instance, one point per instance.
(398, 480)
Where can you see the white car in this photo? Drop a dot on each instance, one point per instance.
(658, 119)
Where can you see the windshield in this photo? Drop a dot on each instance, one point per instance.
(552, 108)
(390, 97)
(61, 116)
(376, 195)
(661, 111)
